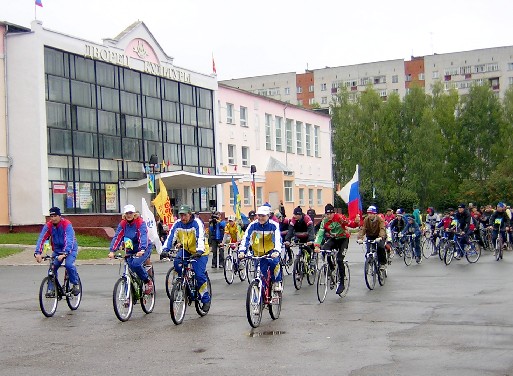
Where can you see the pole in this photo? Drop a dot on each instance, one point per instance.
(254, 192)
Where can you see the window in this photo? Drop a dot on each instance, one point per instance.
(311, 101)
(421, 77)
(300, 102)
(299, 137)
(408, 78)
(311, 89)
(395, 79)
(288, 135)
(323, 87)
(493, 67)
(316, 140)
(231, 198)
(299, 90)
(259, 196)
(301, 196)
(510, 66)
(247, 195)
(229, 113)
(435, 75)
(288, 191)
(510, 81)
(268, 132)
(324, 100)
(278, 121)
(245, 156)
(231, 155)
(311, 197)
(308, 139)
(287, 91)
(243, 116)
(319, 197)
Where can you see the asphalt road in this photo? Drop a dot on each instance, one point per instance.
(428, 319)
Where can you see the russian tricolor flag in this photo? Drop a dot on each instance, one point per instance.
(350, 193)
(39, 3)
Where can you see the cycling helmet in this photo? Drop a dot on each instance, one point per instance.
(231, 217)
(399, 211)
(372, 209)
(501, 205)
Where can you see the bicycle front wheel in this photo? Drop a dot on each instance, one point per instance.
(198, 304)
(448, 254)
(73, 300)
(148, 300)
(347, 279)
(171, 276)
(322, 283)
(48, 296)
(408, 254)
(242, 270)
(275, 305)
(122, 300)
(178, 302)
(254, 304)
(370, 273)
(250, 269)
(297, 272)
(229, 272)
(427, 248)
(312, 271)
(472, 252)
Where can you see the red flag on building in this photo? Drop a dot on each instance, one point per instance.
(213, 65)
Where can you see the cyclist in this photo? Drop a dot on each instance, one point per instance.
(301, 226)
(263, 236)
(389, 216)
(413, 229)
(64, 246)
(284, 229)
(132, 231)
(231, 231)
(251, 218)
(462, 218)
(333, 230)
(396, 225)
(189, 234)
(432, 220)
(216, 228)
(417, 216)
(499, 222)
(374, 228)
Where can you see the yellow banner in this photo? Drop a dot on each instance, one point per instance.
(163, 205)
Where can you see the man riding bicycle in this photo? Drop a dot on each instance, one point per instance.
(499, 223)
(333, 230)
(374, 228)
(301, 226)
(64, 246)
(263, 236)
(132, 231)
(188, 234)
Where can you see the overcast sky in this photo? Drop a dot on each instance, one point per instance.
(275, 36)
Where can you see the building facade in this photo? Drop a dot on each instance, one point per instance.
(288, 146)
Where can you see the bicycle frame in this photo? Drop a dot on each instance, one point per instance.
(264, 281)
(59, 288)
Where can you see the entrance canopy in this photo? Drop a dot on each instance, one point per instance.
(186, 180)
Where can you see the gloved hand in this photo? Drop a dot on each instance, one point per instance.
(413, 236)
(400, 235)
(360, 241)
(286, 244)
(241, 255)
(378, 239)
(275, 254)
(317, 248)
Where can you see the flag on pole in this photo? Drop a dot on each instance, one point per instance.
(39, 3)
(153, 234)
(236, 200)
(151, 183)
(163, 205)
(350, 193)
(213, 65)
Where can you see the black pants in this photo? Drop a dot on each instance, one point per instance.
(382, 256)
(340, 245)
(214, 246)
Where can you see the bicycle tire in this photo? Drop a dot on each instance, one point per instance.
(148, 300)
(275, 308)
(370, 273)
(472, 252)
(198, 304)
(228, 270)
(250, 269)
(427, 248)
(381, 276)
(254, 304)
(297, 273)
(178, 301)
(498, 248)
(171, 276)
(322, 283)
(73, 301)
(285, 263)
(407, 254)
(347, 279)
(312, 272)
(122, 300)
(48, 304)
(448, 254)
(242, 270)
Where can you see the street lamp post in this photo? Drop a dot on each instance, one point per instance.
(253, 170)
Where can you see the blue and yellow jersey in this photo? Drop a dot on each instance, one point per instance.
(191, 235)
(262, 238)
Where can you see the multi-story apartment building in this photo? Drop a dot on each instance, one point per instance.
(460, 70)
(289, 147)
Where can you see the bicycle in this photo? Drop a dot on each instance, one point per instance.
(372, 269)
(409, 249)
(185, 291)
(498, 247)
(261, 294)
(442, 244)
(129, 289)
(232, 264)
(429, 244)
(397, 245)
(286, 261)
(304, 264)
(453, 249)
(51, 291)
(328, 275)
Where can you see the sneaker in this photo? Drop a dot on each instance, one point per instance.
(340, 288)
(206, 307)
(50, 294)
(277, 286)
(75, 290)
(418, 260)
(221, 266)
(504, 246)
(289, 261)
(148, 287)
(214, 266)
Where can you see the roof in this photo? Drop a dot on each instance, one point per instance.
(276, 165)
(185, 179)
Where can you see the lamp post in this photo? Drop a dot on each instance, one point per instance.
(150, 171)
(253, 170)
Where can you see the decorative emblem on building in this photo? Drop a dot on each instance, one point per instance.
(140, 51)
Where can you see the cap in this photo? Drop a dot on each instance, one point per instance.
(501, 205)
(251, 213)
(55, 211)
(129, 209)
(184, 209)
(216, 214)
(298, 211)
(279, 215)
(264, 210)
(311, 213)
(231, 217)
(399, 211)
(372, 209)
(462, 206)
(328, 209)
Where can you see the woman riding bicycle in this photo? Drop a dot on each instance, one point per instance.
(333, 230)
(132, 231)
(263, 236)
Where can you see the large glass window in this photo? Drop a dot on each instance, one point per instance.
(278, 132)
(299, 137)
(288, 135)
(268, 132)
(288, 191)
(308, 139)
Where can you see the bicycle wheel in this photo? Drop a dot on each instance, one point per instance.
(472, 252)
(381, 275)
(148, 300)
(229, 272)
(297, 272)
(48, 296)
(178, 301)
(171, 276)
(275, 305)
(122, 300)
(322, 283)
(370, 273)
(73, 300)
(498, 248)
(242, 270)
(312, 271)
(408, 254)
(448, 254)
(198, 304)
(285, 263)
(427, 248)
(250, 269)
(254, 304)
(347, 279)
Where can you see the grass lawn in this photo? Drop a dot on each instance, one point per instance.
(5, 251)
(31, 239)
